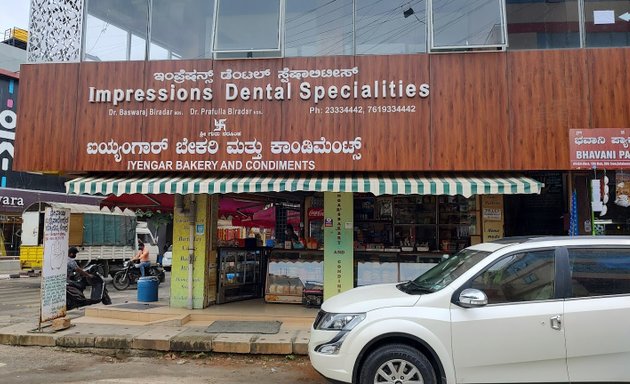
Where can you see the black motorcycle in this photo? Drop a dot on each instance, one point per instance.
(76, 284)
(131, 273)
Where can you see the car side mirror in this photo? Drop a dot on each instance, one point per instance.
(472, 298)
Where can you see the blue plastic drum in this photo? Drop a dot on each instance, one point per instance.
(148, 288)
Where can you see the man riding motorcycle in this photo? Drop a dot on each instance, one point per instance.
(143, 257)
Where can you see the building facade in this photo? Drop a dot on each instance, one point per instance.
(19, 190)
(442, 106)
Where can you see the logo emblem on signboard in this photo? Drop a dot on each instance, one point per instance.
(219, 125)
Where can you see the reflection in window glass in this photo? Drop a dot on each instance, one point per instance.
(467, 23)
(318, 28)
(607, 23)
(390, 27)
(248, 25)
(159, 53)
(520, 277)
(534, 24)
(137, 50)
(597, 272)
(103, 41)
(181, 29)
(109, 28)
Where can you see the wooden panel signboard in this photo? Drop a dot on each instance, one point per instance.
(477, 112)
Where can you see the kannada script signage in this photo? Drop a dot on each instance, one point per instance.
(607, 148)
(223, 103)
(272, 115)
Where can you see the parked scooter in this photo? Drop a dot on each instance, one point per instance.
(76, 284)
(130, 275)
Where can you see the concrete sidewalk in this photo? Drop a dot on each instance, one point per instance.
(155, 326)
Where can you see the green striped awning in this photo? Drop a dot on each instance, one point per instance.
(377, 184)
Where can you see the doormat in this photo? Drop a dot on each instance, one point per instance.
(140, 306)
(266, 327)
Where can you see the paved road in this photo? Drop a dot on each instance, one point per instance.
(19, 302)
(35, 365)
(20, 299)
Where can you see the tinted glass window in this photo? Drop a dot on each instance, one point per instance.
(145, 238)
(248, 25)
(519, 277)
(445, 272)
(464, 23)
(318, 28)
(181, 29)
(607, 23)
(390, 27)
(535, 24)
(116, 30)
(596, 272)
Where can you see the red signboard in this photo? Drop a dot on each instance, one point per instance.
(607, 148)
(315, 213)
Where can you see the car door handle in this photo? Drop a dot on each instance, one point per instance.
(556, 322)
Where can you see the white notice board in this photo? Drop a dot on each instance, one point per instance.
(53, 294)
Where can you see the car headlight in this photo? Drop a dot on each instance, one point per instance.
(339, 321)
(342, 322)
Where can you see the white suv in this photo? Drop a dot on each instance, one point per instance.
(517, 310)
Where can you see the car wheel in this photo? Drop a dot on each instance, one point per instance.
(397, 364)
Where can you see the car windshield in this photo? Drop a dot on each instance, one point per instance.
(445, 272)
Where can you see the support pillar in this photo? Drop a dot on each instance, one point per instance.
(192, 211)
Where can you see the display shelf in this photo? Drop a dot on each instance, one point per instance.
(441, 223)
(290, 272)
(455, 215)
(378, 267)
(239, 274)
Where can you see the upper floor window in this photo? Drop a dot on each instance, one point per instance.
(534, 24)
(318, 28)
(248, 28)
(194, 29)
(390, 27)
(116, 30)
(607, 23)
(463, 24)
(181, 29)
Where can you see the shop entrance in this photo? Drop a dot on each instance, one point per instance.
(250, 229)
(242, 247)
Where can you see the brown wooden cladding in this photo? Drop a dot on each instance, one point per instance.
(549, 96)
(486, 111)
(469, 115)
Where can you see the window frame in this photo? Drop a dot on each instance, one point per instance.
(431, 48)
(568, 280)
(227, 54)
(560, 276)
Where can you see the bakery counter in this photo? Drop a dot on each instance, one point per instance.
(290, 272)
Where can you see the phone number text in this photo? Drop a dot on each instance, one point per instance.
(362, 110)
